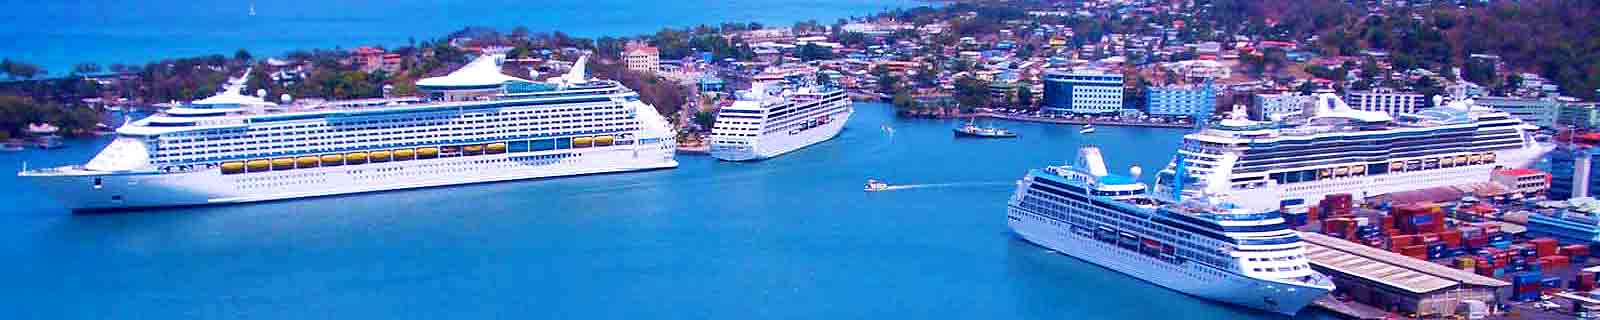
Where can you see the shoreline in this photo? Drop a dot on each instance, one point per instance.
(991, 115)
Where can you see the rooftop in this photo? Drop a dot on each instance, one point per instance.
(1388, 268)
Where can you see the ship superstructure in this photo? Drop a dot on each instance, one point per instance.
(772, 119)
(1209, 248)
(474, 125)
(1340, 150)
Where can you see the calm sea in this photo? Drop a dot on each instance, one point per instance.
(789, 238)
(58, 34)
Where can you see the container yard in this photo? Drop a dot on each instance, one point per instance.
(1443, 257)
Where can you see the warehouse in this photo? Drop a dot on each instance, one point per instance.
(1395, 282)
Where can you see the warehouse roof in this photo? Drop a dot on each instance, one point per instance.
(1388, 268)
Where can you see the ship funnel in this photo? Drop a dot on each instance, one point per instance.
(1090, 159)
(579, 72)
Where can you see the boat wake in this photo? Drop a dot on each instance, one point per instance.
(945, 185)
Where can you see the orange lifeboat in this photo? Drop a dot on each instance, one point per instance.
(355, 158)
(283, 164)
(378, 156)
(427, 153)
(232, 167)
(404, 154)
(307, 162)
(258, 165)
(332, 160)
(496, 148)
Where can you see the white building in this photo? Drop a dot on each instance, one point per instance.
(642, 58)
(1386, 100)
(1536, 111)
(1276, 105)
(1083, 91)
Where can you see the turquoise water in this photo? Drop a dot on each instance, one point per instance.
(791, 238)
(58, 34)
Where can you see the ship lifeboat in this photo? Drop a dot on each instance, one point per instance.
(332, 160)
(582, 142)
(1397, 165)
(1341, 171)
(496, 148)
(602, 141)
(1476, 159)
(258, 165)
(1447, 161)
(472, 150)
(1461, 160)
(307, 162)
(378, 156)
(1324, 173)
(404, 154)
(355, 158)
(427, 153)
(1358, 169)
(232, 167)
(283, 164)
(1488, 157)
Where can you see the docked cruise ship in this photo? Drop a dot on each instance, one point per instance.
(1206, 248)
(474, 125)
(768, 121)
(1335, 149)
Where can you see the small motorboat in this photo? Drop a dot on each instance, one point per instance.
(875, 186)
(1087, 128)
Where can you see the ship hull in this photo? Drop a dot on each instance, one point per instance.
(85, 191)
(779, 143)
(1190, 278)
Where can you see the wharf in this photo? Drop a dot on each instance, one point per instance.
(1349, 310)
(1014, 117)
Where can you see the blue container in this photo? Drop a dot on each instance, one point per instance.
(1550, 282)
(1500, 244)
(1525, 296)
(1499, 237)
(1527, 277)
(1579, 260)
(1529, 252)
(1518, 267)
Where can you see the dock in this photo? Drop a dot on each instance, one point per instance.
(1014, 117)
(1375, 277)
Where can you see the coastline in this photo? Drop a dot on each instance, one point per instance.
(991, 115)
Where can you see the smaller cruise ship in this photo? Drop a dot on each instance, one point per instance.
(769, 120)
(1205, 247)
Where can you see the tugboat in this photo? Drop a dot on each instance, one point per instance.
(1087, 129)
(875, 186)
(973, 130)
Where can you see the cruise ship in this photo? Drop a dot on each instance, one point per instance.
(473, 125)
(1208, 248)
(769, 120)
(1334, 149)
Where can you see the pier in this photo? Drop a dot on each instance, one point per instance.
(1013, 117)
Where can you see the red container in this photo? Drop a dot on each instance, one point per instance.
(1451, 238)
(1402, 240)
(1388, 222)
(1545, 246)
(1415, 250)
(1554, 262)
(1478, 242)
(1576, 250)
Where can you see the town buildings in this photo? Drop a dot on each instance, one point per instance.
(1571, 172)
(1270, 106)
(642, 57)
(1386, 100)
(1193, 100)
(1536, 111)
(1083, 92)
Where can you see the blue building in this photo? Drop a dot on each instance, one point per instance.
(1194, 101)
(1572, 172)
(1083, 92)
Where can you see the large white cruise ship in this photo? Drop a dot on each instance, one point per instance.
(474, 125)
(766, 121)
(1206, 248)
(1335, 149)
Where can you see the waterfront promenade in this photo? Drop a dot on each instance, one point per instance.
(1028, 118)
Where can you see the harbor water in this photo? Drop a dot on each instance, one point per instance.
(792, 237)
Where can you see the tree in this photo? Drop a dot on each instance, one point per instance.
(20, 70)
(972, 93)
(86, 68)
(242, 55)
(813, 52)
(1025, 96)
